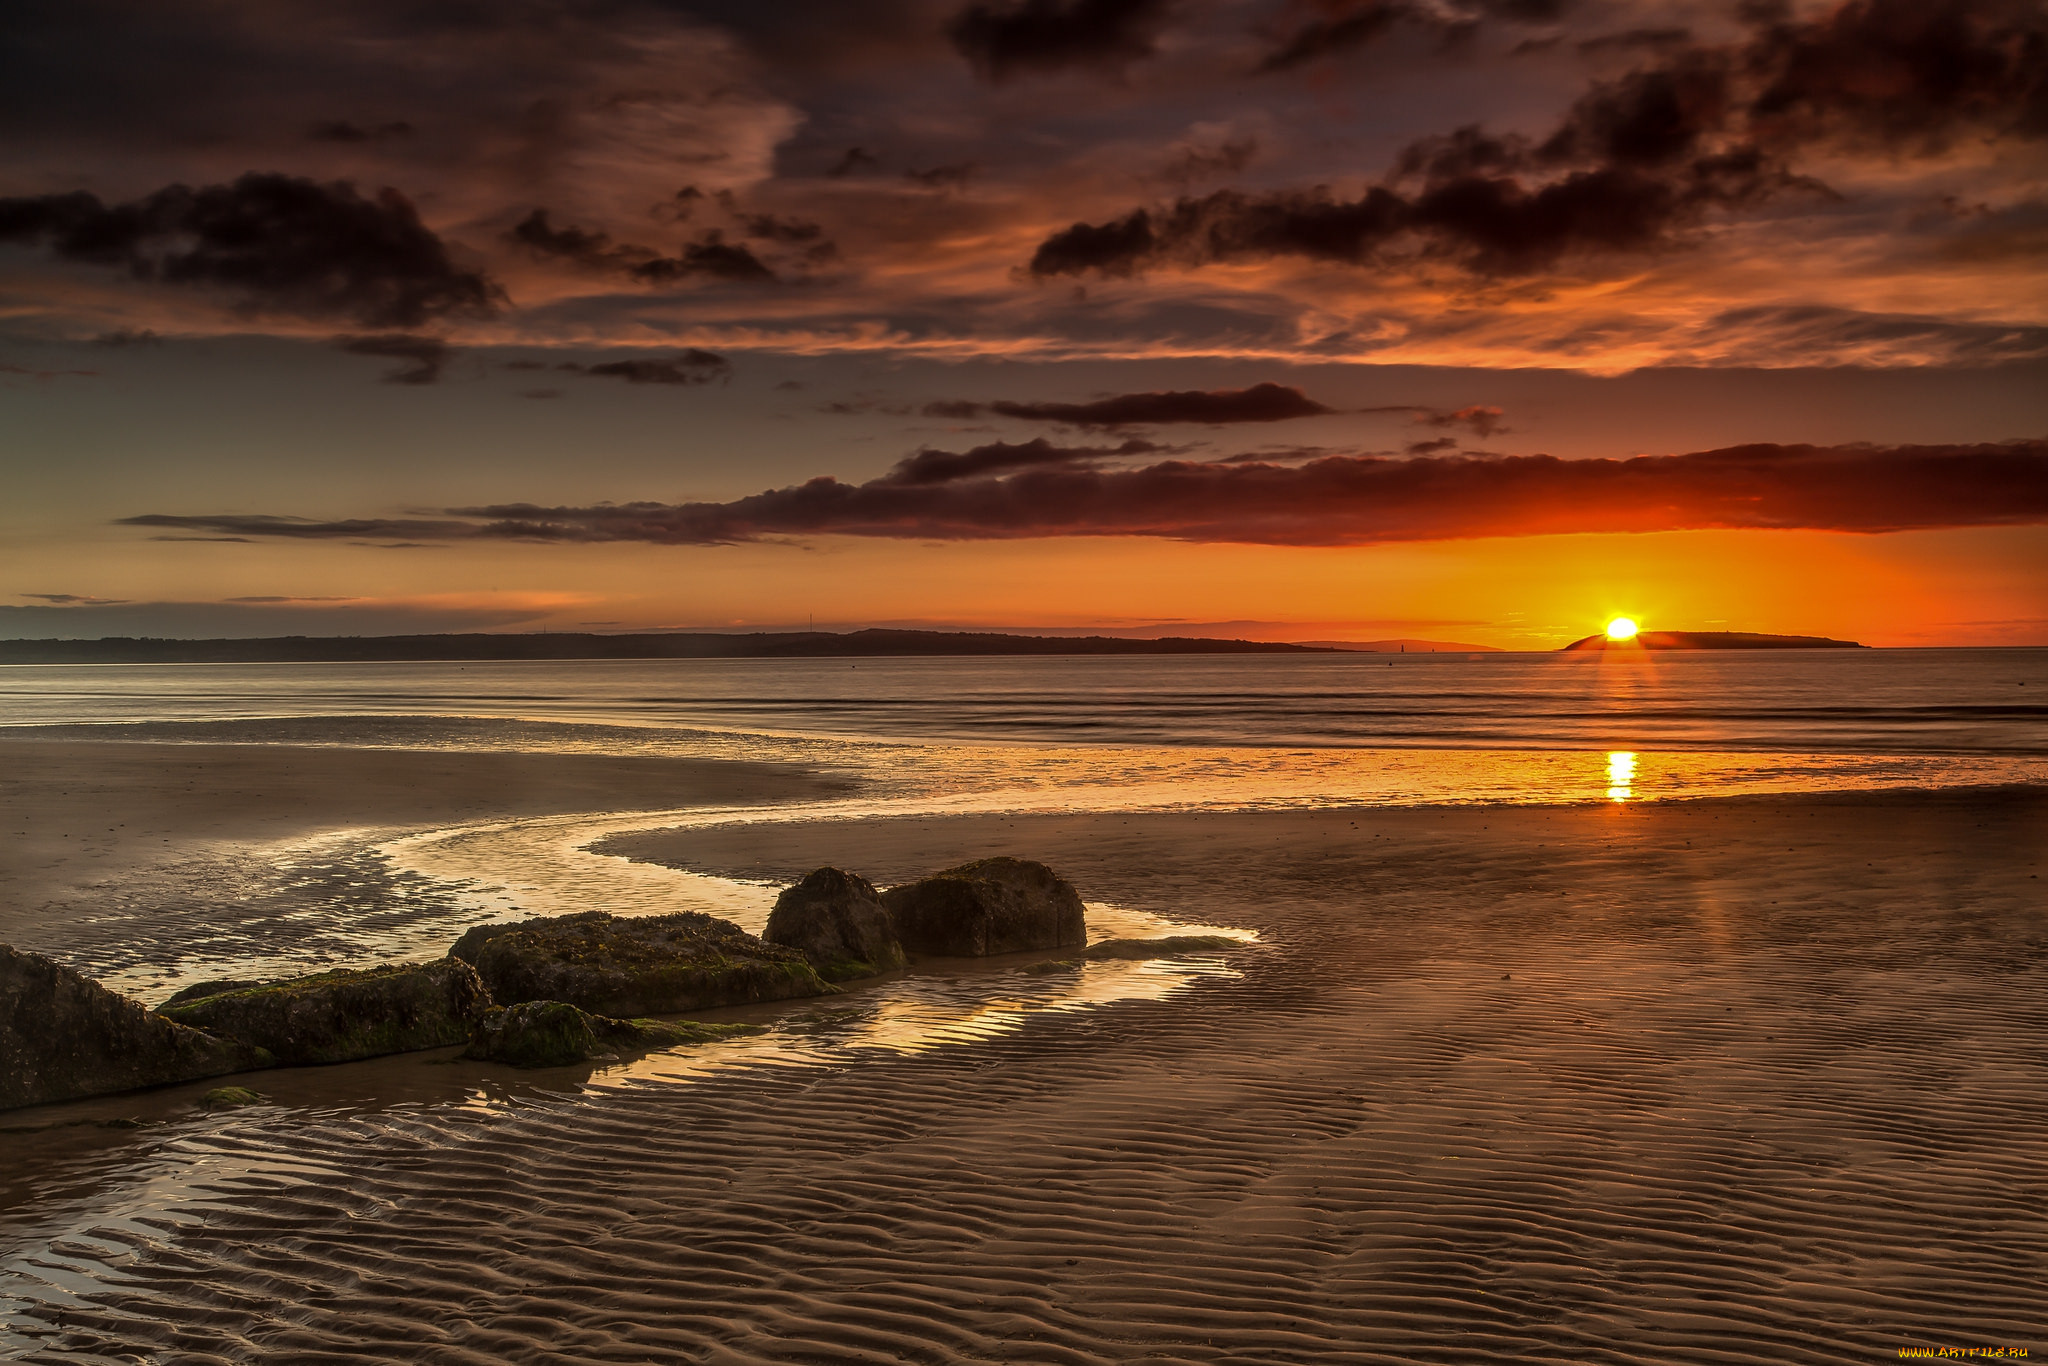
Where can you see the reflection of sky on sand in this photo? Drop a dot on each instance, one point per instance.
(545, 865)
(352, 897)
(914, 1014)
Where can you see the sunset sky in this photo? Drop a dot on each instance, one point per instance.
(1474, 320)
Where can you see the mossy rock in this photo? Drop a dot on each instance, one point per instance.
(990, 906)
(1167, 946)
(231, 1098)
(347, 1014)
(836, 920)
(218, 986)
(63, 1036)
(635, 966)
(557, 1034)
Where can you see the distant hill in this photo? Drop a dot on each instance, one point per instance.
(1395, 647)
(1713, 640)
(555, 645)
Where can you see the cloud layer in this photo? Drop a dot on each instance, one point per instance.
(1504, 182)
(1037, 490)
(1638, 160)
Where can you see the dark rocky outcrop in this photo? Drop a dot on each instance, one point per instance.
(993, 905)
(651, 965)
(557, 1034)
(346, 1014)
(64, 1036)
(1167, 946)
(836, 921)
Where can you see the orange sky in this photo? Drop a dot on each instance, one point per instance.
(365, 319)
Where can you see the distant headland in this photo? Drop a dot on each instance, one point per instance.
(1712, 640)
(566, 645)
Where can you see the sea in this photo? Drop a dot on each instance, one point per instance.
(1426, 727)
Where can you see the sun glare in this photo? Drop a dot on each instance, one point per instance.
(1621, 628)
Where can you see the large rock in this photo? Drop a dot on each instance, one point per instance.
(64, 1036)
(557, 1034)
(993, 905)
(347, 1014)
(651, 965)
(837, 922)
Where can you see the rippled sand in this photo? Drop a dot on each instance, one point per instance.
(1719, 1081)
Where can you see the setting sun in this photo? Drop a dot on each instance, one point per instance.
(1621, 628)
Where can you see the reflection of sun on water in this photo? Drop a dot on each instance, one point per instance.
(1621, 774)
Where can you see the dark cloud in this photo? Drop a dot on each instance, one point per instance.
(587, 248)
(768, 227)
(74, 599)
(710, 256)
(690, 367)
(339, 130)
(1260, 403)
(282, 243)
(241, 528)
(946, 177)
(1481, 419)
(1638, 160)
(1001, 457)
(1333, 34)
(855, 159)
(1347, 25)
(1006, 38)
(423, 358)
(1491, 225)
(128, 336)
(1333, 500)
(1435, 447)
(1637, 40)
(1208, 162)
(1903, 74)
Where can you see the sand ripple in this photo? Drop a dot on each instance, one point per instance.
(1574, 1087)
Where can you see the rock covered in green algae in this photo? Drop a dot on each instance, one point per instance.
(646, 965)
(1166, 947)
(836, 920)
(231, 1098)
(557, 1034)
(346, 1014)
(64, 1036)
(216, 986)
(993, 905)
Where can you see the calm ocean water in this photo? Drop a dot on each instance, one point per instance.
(1215, 728)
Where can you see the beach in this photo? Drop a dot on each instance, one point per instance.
(1754, 1078)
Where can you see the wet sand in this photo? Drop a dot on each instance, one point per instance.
(128, 859)
(1722, 1081)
